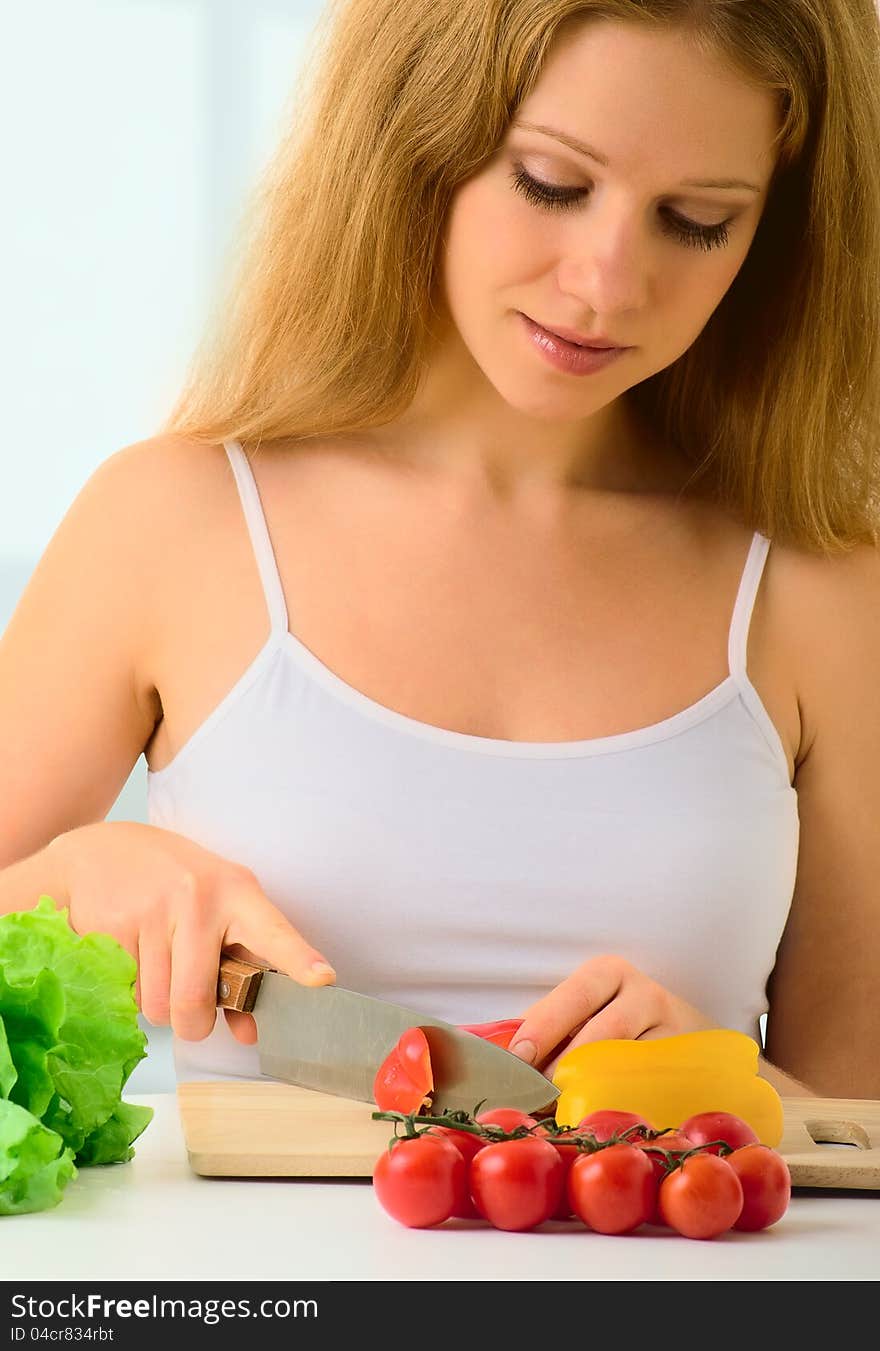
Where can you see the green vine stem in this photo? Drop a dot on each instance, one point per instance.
(651, 1141)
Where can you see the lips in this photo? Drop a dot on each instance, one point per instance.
(578, 340)
(566, 354)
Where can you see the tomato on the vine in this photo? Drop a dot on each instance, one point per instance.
(467, 1143)
(671, 1145)
(705, 1127)
(568, 1153)
(420, 1181)
(702, 1198)
(516, 1184)
(606, 1122)
(508, 1118)
(614, 1189)
(766, 1183)
(404, 1081)
(674, 1143)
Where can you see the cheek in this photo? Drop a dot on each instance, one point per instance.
(725, 264)
(692, 287)
(492, 242)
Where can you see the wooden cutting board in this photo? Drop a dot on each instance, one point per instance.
(241, 1129)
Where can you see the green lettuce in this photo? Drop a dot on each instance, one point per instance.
(69, 1040)
(35, 1165)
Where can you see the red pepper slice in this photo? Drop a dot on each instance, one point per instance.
(501, 1033)
(404, 1081)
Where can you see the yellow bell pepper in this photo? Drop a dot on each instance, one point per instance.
(668, 1079)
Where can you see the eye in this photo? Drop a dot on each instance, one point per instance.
(553, 197)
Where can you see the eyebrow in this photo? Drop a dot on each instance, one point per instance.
(583, 149)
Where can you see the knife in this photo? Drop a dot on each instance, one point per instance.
(334, 1040)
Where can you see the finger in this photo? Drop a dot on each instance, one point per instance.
(154, 977)
(195, 962)
(259, 929)
(566, 1008)
(625, 1018)
(243, 1026)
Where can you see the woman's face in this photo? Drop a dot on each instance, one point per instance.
(630, 252)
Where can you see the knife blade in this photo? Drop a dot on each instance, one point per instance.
(334, 1040)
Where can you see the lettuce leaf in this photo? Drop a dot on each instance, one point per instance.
(69, 1040)
(35, 1165)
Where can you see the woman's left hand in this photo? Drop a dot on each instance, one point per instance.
(606, 997)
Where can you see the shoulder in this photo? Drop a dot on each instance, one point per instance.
(154, 501)
(128, 510)
(163, 473)
(828, 610)
(147, 514)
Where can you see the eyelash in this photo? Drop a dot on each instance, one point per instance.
(554, 198)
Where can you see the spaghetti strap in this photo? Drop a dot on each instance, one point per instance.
(259, 533)
(738, 637)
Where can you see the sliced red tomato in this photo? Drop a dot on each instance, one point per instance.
(404, 1081)
(501, 1033)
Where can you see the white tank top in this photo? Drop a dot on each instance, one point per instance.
(466, 876)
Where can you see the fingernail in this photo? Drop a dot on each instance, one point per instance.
(319, 969)
(526, 1050)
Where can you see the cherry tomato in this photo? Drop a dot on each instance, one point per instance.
(421, 1181)
(614, 1190)
(674, 1143)
(766, 1183)
(516, 1184)
(466, 1142)
(467, 1145)
(707, 1126)
(404, 1081)
(508, 1118)
(568, 1153)
(501, 1033)
(701, 1199)
(605, 1122)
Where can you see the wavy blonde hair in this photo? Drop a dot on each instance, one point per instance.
(325, 326)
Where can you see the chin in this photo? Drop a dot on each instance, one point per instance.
(534, 400)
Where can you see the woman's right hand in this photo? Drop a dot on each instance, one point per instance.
(175, 907)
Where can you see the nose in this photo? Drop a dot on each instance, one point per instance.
(606, 265)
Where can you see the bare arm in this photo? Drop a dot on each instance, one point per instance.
(824, 1020)
(23, 883)
(74, 711)
(784, 1084)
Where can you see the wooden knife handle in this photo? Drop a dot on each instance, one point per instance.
(238, 984)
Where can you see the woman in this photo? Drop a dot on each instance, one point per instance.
(463, 666)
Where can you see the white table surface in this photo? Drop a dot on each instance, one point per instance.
(153, 1219)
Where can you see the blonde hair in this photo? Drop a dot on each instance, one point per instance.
(325, 326)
